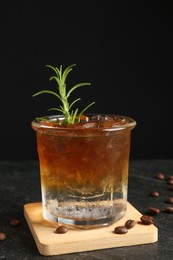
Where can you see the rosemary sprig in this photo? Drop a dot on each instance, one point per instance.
(63, 94)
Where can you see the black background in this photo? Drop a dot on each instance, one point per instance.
(124, 48)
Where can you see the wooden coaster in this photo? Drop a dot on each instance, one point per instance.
(79, 240)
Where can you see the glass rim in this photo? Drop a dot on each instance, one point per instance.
(129, 123)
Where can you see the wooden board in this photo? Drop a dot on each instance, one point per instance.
(78, 240)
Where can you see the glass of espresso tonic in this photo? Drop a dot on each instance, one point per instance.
(84, 168)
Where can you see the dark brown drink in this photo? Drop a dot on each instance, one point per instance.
(84, 168)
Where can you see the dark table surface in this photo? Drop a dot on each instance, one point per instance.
(20, 184)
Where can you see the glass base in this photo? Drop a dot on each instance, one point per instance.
(87, 222)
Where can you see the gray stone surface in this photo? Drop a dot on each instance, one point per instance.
(20, 184)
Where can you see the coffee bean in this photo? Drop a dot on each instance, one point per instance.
(170, 181)
(14, 222)
(61, 230)
(154, 194)
(120, 230)
(154, 210)
(147, 220)
(2, 236)
(160, 176)
(130, 223)
(170, 177)
(169, 209)
(169, 200)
